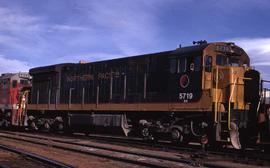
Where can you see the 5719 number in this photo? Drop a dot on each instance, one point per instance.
(185, 96)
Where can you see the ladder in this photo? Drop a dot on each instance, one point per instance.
(223, 133)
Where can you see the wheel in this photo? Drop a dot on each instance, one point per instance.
(146, 134)
(47, 126)
(33, 125)
(177, 136)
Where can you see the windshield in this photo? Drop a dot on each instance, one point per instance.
(224, 60)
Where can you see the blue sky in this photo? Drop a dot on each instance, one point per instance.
(37, 33)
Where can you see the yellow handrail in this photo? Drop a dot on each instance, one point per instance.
(229, 110)
(216, 103)
(230, 99)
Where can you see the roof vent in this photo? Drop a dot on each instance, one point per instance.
(6, 74)
(199, 42)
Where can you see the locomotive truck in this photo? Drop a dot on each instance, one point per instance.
(207, 92)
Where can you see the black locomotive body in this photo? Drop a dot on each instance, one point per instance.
(191, 93)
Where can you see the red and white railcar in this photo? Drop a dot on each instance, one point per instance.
(13, 97)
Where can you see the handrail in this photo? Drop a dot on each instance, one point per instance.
(229, 110)
(262, 94)
(230, 99)
(216, 103)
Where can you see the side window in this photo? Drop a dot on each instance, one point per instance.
(5, 84)
(173, 66)
(14, 84)
(208, 63)
(182, 65)
(178, 65)
(197, 62)
(153, 65)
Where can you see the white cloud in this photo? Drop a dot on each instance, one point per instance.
(17, 29)
(15, 21)
(258, 50)
(32, 37)
(12, 65)
(88, 57)
(69, 28)
(131, 25)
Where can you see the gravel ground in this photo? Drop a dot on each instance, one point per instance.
(74, 159)
(82, 160)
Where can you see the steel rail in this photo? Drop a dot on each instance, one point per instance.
(36, 157)
(252, 155)
(102, 155)
(3, 166)
(137, 162)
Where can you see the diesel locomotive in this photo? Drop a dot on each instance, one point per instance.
(13, 96)
(207, 92)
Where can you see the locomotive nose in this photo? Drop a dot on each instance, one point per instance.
(252, 87)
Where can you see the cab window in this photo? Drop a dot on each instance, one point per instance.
(233, 61)
(23, 82)
(197, 63)
(221, 60)
(14, 84)
(208, 63)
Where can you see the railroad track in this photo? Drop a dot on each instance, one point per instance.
(245, 156)
(45, 160)
(129, 156)
(249, 155)
(3, 166)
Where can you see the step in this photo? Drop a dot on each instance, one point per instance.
(225, 131)
(223, 140)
